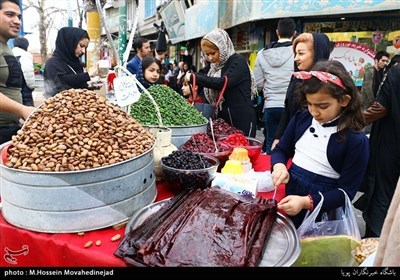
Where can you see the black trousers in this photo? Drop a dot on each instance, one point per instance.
(369, 232)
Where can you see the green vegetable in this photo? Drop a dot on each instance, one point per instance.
(174, 109)
(327, 251)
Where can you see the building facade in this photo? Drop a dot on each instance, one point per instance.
(357, 28)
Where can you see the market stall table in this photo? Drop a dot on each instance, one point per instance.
(21, 247)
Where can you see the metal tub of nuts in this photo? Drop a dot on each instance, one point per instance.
(78, 164)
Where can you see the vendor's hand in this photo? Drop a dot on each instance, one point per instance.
(26, 111)
(280, 174)
(293, 204)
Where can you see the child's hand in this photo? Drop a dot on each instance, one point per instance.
(292, 204)
(280, 174)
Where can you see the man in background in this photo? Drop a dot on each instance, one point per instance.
(272, 72)
(372, 79)
(25, 58)
(142, 49)
(11, 107)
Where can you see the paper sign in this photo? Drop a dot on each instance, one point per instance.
(126, 91)
(355, 58)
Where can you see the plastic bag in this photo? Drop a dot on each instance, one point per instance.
(207, 110)
(330, 241)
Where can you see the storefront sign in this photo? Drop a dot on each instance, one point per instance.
(276, 9)
(355, 57)
(201, 19)
(173, 16)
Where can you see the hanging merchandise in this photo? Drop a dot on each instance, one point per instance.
(377, 37)
(161, 44)
(396, 42)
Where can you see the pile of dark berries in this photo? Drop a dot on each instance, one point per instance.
(203, 143)
(222, 128)
(186, 161)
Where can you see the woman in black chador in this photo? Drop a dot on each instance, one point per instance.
(64, 69)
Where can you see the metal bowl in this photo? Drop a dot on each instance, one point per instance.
(283, 241)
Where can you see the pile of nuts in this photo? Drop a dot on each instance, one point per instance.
(367, 247)
(98, 242)
(76, 130)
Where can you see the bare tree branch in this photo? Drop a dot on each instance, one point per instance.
(47, 13)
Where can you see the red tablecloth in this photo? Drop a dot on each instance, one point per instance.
(21, 247)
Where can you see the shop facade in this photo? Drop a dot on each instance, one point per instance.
(357, 31)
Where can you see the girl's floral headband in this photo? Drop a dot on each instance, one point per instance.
(320, 75)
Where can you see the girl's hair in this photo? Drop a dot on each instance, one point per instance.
(351, 117)
(149, 60)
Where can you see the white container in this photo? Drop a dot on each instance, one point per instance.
(103, 67)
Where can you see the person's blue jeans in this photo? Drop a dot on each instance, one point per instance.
(271, 119)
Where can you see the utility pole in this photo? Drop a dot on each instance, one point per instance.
(69, 9)
(122, 30)
(94, 30)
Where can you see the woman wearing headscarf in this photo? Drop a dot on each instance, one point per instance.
(64, 69)
(308, 49)
(234, 105)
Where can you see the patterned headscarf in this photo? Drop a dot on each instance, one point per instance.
(220, 38)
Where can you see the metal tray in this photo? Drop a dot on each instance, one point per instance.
(282, 248)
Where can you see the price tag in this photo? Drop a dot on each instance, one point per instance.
(126, 91)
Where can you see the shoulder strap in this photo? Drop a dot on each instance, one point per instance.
(222, 91)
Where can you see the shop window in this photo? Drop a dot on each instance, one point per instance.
(150, 7)
(356, 42)
(376, 34)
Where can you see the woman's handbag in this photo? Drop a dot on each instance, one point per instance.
(331, 240)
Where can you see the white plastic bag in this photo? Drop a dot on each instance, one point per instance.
(329, 242)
